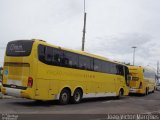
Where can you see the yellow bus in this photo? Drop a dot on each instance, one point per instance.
(143, 80)
(37, 70)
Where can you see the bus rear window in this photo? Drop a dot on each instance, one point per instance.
(19, 48)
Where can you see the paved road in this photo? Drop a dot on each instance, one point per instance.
(130, 104)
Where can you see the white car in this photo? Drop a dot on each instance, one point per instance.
(158, 87)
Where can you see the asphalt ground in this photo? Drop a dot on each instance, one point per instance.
(88, 109)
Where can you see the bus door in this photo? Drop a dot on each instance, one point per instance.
(120, 82)
(120, 77)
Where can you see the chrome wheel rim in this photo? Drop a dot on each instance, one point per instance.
(77, 96)
(64, 97)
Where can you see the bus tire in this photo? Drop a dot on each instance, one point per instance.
(64, 97)
(77, 96)
(120, 94)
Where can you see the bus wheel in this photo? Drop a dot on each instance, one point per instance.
(64, 97)
(120, 94)
(77, 96)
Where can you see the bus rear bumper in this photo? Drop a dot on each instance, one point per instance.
(28, 94)
(11, 92)
(136, 90)
(15, 92)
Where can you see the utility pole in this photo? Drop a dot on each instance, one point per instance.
(84, 28)
(157, 67)
(134, 50)
(157, 71)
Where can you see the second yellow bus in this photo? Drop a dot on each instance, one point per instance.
(143, 80)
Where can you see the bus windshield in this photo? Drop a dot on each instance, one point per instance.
(19, 48)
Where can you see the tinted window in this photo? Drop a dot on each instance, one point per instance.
(120, 69)
(19, 48)
(106, 67)
(41, 53)
(49, 55)
(97, 65)
(70, 59)
(126, 72)
(57, 57)
(85, 62)
(113, 69)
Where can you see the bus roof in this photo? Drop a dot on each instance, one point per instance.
(141, 67)
(134, 67)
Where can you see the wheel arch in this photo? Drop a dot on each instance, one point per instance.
(67, 88)
(77, 87)
(122, 89)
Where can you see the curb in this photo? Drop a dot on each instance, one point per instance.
(5, 96)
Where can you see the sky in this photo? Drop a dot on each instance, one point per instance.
(113, 27)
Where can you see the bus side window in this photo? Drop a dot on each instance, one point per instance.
(57, 57)
(70, 59)
(49, 55)
(84, 62)
(91, 64)
(107, 66)
(127, 73)
(97, 65)
(65, 62)
(120, 70)
(41, 53)
(113, 68)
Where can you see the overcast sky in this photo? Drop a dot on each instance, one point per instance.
(113, 26)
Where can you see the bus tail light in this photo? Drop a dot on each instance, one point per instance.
(30, 82)
(140, 85)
